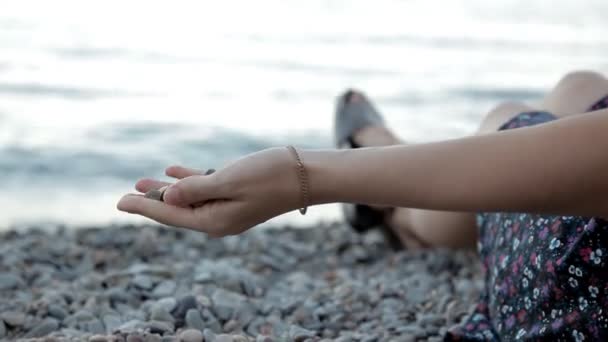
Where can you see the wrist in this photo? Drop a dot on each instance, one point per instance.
(322, 169)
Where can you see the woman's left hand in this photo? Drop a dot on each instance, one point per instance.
(247, 192)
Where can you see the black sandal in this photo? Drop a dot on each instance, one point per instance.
(350, 117)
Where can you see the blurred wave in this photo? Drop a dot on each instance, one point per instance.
(35, 89)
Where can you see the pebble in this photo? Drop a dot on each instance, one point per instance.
(164, 289)
(57, 311)
(299, 334)
(231, 325)
(13, 318)
(194, 320)
(145, 244)
(159, 313)
(46, 327)
(168, 303)
(224, 338)
(431, 319)
(225, 303)
(325, 283)
(182, 306)
(240, 338)
(153, 338)
(159, 327)
(111, 322)
(135, 337)
(10, 281)
(412, 330)
(209, 335)
(191, 335)
(143, 281)
(94, 326)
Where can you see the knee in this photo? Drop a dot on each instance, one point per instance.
(501, 114)
(580, 79)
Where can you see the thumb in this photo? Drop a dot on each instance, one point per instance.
(192, 190)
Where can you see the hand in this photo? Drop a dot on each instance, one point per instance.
(247, 192)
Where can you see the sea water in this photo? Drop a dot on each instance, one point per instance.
(96, 94)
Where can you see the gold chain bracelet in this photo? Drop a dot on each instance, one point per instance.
(303, 177)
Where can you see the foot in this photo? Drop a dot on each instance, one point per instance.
(370, 136)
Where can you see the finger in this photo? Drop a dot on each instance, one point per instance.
(180, 172)
(192, 190)
(147, 184)
(159, 211)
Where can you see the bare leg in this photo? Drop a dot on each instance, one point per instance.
(575, 93)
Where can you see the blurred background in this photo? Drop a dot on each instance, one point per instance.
(96, 94)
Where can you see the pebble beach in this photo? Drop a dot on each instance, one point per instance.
(153, 283)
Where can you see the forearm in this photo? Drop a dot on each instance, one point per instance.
(559, 167)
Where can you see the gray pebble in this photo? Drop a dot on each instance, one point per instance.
(412, 330)
(224, 338)
(194, 320)
(99, 338)
(182, 306)
(431, 319)
(154, 194)
(13, 318)
(225, 303)
(111, 322)
(159, 327)
(191, 335)
(152, 338)
(164, 289)
(159, 313)
(46, 327)
(209, 335)
(57, 311)
(145, 243)
(231, 326)
(93, 326)
(135, 337)
(299, 334)
(119, 295)
(168, 303)
(407, 338)
(131, 326)
(262, 338)
(10, 281)
(435, 339)
(210, 321)
(143, 281)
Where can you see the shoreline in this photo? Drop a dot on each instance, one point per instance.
(152, 283)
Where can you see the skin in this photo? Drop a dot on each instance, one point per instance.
(553, 168)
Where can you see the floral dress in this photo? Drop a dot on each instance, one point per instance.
(546, 276)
